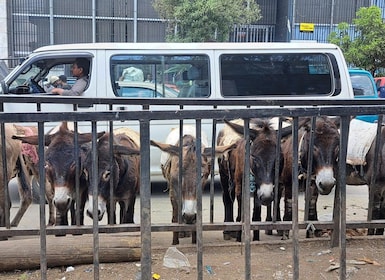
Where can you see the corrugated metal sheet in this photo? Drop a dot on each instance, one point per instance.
(327, 11)
(320, 34)
(268, 11)
(71, 21)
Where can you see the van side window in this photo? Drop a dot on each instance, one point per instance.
(248, 75)
(160, 76)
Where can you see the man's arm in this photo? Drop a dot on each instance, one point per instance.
(76, 90)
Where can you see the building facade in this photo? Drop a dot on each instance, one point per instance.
(28, 24)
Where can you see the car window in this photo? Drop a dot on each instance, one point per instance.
(247, 75)
(160, 76)
(362, 85)
(147, 90)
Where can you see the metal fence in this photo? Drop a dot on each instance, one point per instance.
(216, 111)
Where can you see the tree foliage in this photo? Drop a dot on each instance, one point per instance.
(205, 20)
(367, 48)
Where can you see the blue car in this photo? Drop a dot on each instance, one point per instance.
(364, 87)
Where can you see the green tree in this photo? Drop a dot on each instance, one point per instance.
(205, 20)
(367, 48)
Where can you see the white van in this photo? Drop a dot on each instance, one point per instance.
(185, 70)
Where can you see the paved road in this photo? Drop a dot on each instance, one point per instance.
(357, 197)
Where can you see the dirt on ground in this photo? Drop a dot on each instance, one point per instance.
(270, 259)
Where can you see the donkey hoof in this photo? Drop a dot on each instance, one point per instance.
(314, 233)
(226, 236)
(285, 235)
(183, 234)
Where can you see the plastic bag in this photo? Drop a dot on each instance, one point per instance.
(175, 258)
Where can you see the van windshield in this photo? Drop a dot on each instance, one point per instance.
(248, 75)
(160, 76)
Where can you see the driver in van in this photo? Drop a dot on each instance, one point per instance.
(80, 69)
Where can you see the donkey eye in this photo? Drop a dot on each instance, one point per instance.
(106, 175)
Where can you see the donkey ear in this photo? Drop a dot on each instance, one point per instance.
(336, 121)
(305, 123)
(236, 127)
(87, 137)
(171, 149)
(218, 150)
(33, 139)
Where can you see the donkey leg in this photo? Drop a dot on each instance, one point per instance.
(25, 191)
(3, 208)
(49, 194)
(111, 209)
(175, 212)
(130, 211)
(25, 194)
(378, 211)
(380, 231)
(269, 218)
(194, 237)
(239, 217)
(228, 197)
(313, 216)
(288, 215)
(228, 203)
(256, 216)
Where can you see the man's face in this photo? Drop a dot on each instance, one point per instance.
(76, 71)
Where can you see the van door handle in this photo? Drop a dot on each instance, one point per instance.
(85, 106)
(122, 108)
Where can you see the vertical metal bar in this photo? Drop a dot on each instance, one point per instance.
(7, 202)
(309, 168)
(276, 174)
(199, 226)
(145, 199)
(332, 15)
(295, 200)
(77, 174)
(135, 21)
(112, 212)
(375, 168)
(43, 233)
(93, 21)
(51, 24)
(341, 184)
(212, 175)
(180, 166)
(94, 180)
(246, 201)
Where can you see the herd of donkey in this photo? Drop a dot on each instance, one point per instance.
(65, 163)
